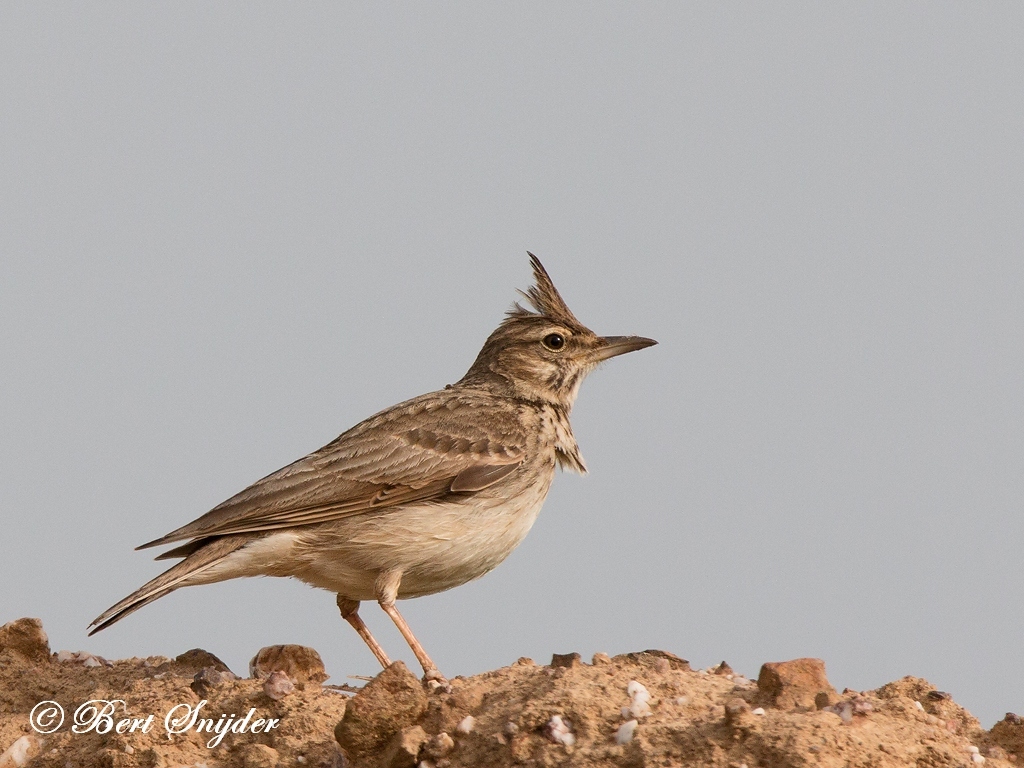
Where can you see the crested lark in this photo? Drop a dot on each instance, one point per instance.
(420, 498)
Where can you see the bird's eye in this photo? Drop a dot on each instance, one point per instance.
(554, 341)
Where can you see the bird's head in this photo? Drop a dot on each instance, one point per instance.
(544, 354)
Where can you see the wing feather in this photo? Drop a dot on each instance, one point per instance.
(410, 453)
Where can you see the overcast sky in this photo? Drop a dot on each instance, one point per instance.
(230, 231)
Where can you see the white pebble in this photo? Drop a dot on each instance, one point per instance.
(278, 685)
(626, 712)
(559, 731)
(640, 709)
(466, 725)
(758, 711)
(625, 733)
(129, 749)
(919, 705)
(681, 701)
(636, 689)
(976, 758)
(17, 754)
(973, 749)
(640, 696)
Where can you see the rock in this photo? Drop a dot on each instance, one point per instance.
(392, 701)
(722, 669)
(825, 699)
(559, 731)
(301, 664)
(650, 658)
(278, 685)
(208, 678)
(24, 748)
(793, 684)
(440, 745)
(624, 734)
(84, 658)
(26, 638)
(565, 660)
(404, 748)
(196, 660)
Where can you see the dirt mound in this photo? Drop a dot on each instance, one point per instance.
(640, 709)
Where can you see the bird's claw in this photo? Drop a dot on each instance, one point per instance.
(436, 681)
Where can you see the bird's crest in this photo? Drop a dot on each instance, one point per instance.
(543, 297)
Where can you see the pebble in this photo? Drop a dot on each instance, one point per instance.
(862, 706)
(919, 705)
(438, 746)
(209, 678)
(17, 754)
(681, 701)
(466, 725)
(639, 706)
(129, 749)
(625, 733)
(758, 711)
(301, 663)
(278, 685)
(84, 658)
(976, 758)
(560, 732)
(844, 709)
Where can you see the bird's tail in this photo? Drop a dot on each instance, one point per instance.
(180, 575)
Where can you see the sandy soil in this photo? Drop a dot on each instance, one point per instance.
(639, 710)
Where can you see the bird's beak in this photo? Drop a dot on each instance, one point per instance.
(619, 345)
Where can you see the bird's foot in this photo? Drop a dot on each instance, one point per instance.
(436, 681)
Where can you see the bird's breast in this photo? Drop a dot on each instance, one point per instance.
(436, 545)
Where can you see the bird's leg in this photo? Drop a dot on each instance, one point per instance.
(350, 613)
(387, 593)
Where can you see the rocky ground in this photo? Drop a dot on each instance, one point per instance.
(639, 710)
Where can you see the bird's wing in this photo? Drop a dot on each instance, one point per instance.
(416, 451)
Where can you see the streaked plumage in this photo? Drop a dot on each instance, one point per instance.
(419, 498)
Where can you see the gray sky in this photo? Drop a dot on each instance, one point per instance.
(231, 231)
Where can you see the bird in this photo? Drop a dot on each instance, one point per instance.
(423, 496)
